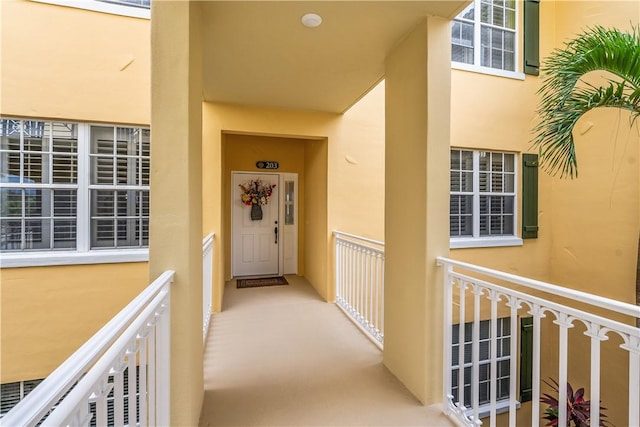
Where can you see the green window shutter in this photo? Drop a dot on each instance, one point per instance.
(529, 196)
(532, 37)
(526, 358)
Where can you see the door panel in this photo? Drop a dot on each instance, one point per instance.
(254, 247)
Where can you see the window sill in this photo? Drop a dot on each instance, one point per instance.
(483, 242)
(49, 258)
(97, 6)
(486, 70)
(484, 411)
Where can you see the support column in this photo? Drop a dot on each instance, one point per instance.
(176, 191)
(417, 76)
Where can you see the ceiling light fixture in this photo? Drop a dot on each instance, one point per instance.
(311, 20)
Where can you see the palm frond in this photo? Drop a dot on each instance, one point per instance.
(563, 102)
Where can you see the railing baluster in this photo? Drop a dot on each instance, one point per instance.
(368, 288)
(343, 279)
(362, 287)
(347, 276)
(380, 293)
(357, 282)
(359, 265)
(494, 356)
(207, 283)
(535, 368)
(513, 362)
(118, 395)
(131, 386)
(462, 286)
(338, 264)
(339, 282)
(593, 332)
(475, 384)
(142, 404)
(564, 325)
(352, 291)
(633, 347)
(382, 299)
(101, 402)
(152, 375)
(372, 291)
(163, 365)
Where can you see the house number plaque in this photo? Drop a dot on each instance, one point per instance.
(267, 164)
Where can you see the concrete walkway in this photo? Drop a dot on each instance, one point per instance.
(280, 356)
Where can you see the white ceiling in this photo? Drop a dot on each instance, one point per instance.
(259, 53)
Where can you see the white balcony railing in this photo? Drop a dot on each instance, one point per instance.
(207, 282)
(360, 282)
(120, 376)
(470, 299)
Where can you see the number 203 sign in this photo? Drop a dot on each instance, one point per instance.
(264, 164)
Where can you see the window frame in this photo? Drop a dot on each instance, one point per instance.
(45, 164)
(476, 66)
(502, 404)
(476, 240)
(82, 253)
(97, 185)
(103, 7)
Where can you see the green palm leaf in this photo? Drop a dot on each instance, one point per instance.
(563, 102)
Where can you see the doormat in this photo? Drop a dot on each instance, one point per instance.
(261, 281)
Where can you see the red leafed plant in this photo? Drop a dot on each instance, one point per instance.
(578, 409)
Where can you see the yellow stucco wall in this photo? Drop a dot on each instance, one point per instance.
(79, 65)
(358, 160)
(597, 250)
(175, 225)
(416, 159)
(212, 166)
(97, 64)
(317, 228)
(48, 312)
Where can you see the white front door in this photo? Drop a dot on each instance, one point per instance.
(255, 244)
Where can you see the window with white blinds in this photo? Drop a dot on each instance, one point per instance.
(483, 194)
(38, 185)
(119, 187)
(484, 35)
(72, 186)
(503, 361)
(12, 393)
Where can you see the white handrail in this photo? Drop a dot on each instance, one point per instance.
(597, 301)
(337, 233)
(87, 384)
(31, 410)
